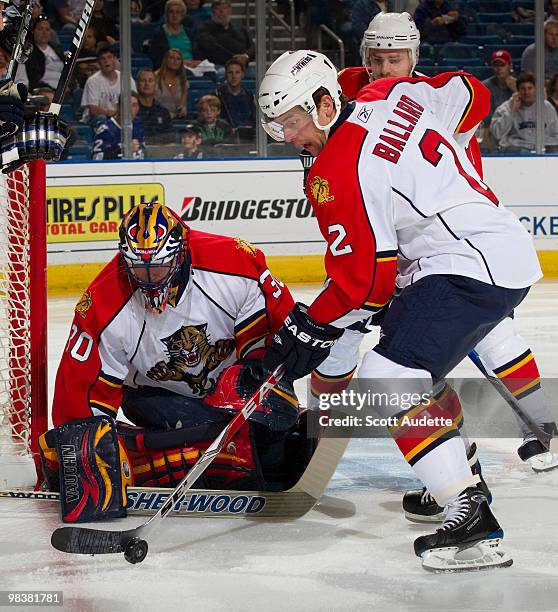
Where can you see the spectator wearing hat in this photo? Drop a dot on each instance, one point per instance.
(514, 124)
(102, 90)
(191, 140)
(220, 39)
(502, 83)
(550, 51)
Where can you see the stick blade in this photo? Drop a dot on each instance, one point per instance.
(84, 541)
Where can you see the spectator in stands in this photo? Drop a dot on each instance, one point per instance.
(552, 11)
(220, 40)
(155, 118)
(66, 13)
(172, 84)
(4, 61)
(191, 140)
(213, 129)
(362, 13)
(152, 10)
(46, 60)
(523, 10)
(515, 121)
(172, 34)
(86, 66)
(107, 140)
(550, 51)
(502, 83)
(237, 103)
(552, 91)
(102, 90)
(103, 21)
(438, 22)
(198, 13)
(89, 47)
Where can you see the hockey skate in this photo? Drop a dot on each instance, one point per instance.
(469, 539)
(421, 507)
(534, 453)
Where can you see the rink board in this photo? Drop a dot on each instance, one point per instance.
(260, 201)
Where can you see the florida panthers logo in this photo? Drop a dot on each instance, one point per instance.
(189, 348)
(319, 188)
(246, 247)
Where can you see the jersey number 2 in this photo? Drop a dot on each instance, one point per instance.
(430, 149)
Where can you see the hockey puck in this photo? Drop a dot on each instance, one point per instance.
(136, 550)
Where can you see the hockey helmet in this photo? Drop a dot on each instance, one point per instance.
(152, 244)
(388, 31)
(290, 82)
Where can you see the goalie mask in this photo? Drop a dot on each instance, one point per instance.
(152, 244)
(289, 83)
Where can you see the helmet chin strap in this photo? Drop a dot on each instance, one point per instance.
(326, 128)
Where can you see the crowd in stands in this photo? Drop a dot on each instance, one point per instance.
(193, 68)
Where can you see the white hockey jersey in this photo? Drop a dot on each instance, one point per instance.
(392, 181)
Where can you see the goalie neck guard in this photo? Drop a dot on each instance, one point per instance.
(152, 244)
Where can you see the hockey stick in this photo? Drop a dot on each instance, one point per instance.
(82, 540)
(21, 39)
(547, 440)
(71, 57)
(286, 505)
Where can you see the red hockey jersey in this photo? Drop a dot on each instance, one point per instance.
(229, 308)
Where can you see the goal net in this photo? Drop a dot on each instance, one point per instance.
(23, 399)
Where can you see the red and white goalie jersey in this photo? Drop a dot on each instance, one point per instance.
(394, 194)
(230, 306)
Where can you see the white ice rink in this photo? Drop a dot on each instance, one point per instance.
(352, 553)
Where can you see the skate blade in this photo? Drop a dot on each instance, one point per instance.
(421, 518)
(545, 462)
(486, 554)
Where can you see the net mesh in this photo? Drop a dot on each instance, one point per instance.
(15, 308)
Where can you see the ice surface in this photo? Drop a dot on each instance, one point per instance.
(353, 552)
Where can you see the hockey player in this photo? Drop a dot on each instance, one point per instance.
(390, 48)
(388, 179)
(172, 331)
(24, 135)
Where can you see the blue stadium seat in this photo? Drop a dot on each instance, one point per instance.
(521, 29)
(453, 61)
(495, 18)
(426, 51)
(65, 40)
(521, 40)
(84, 133)
(425, 61)
(457, 51)
(481, 72)
(494, 6)
(79, 151)
(481, 41)
(476, 29)
(250, 85)
(67, 113)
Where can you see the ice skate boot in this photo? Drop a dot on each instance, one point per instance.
(533, 452)
(469, 539)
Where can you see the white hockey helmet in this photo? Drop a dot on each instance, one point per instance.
(392, 31)
(290, 81)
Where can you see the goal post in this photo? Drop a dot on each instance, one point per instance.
(23, 323)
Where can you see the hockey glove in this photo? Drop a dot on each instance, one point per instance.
(43, 136)
(12, 100)
(300, 343)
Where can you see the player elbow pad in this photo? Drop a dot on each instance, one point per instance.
(87, 463)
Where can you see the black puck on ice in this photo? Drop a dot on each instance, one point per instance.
(136, 550)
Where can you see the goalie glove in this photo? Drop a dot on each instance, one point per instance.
(43, 136)
(300, 343)
(12, 100)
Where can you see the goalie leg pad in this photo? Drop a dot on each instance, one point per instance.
(93, 469)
